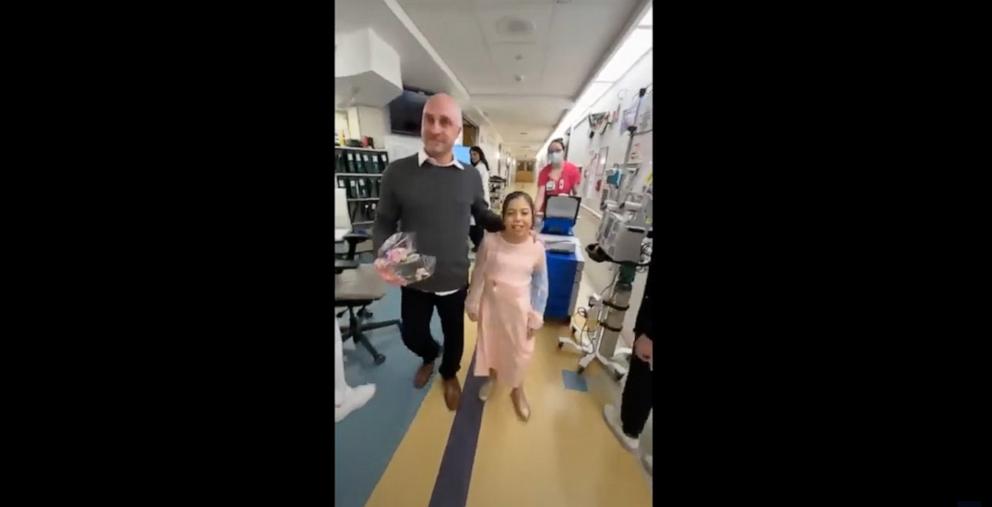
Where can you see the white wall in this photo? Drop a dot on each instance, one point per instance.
(341, 124)
(398, 147)
(489, 141)
(581, 149)
(354, 126)
(623, 94)
(366, 70)
(373, 123)
(364, 121)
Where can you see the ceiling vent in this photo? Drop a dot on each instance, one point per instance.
(512, 25)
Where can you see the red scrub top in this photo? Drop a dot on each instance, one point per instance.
(566, 183)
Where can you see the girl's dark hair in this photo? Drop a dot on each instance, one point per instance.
(517, 195)
(482, 158)
(559, 140)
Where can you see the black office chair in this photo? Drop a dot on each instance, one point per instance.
(356, 286)
(347, 260)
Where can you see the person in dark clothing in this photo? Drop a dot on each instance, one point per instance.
(480, 163)
(636, 401)
(432, 195)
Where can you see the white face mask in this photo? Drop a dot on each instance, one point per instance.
(556, 157)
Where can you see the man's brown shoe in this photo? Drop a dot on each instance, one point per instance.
(452, 393)
(423, 375)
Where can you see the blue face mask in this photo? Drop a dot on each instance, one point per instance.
(556, 157)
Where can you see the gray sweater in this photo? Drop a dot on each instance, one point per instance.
(435, 203)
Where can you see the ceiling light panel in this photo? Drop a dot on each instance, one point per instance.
(633, 48)
(647, 21)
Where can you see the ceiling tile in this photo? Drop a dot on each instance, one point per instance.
(513, 59)
(572, 59)
(496, 20)
(564, 46)
(455, 35)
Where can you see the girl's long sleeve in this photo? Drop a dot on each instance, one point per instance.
(538, 294)
(474, 297)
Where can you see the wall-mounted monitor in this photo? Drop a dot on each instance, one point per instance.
(406, 112)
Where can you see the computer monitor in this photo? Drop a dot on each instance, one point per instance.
(462, 154)
(563, 206)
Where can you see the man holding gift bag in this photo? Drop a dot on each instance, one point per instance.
(431, 195)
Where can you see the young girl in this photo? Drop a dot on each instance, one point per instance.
(507, 297)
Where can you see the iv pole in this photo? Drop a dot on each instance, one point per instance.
(609, 315)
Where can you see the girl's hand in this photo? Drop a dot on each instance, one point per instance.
(473, 316)
(531, 333)
(534, 323)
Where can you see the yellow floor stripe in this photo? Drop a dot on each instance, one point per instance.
(564, 455)
(409, 478)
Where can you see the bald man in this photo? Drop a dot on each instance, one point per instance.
(432, 195)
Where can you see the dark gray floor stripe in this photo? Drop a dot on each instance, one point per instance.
(451, 485)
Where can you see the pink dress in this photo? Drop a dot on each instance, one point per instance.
(508, 293)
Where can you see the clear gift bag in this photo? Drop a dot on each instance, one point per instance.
(399, 263)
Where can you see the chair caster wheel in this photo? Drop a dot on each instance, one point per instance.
(560, 344)
(580, 370)
(379, 359)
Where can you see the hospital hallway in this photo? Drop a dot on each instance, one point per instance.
(534, 109)
(405, 448)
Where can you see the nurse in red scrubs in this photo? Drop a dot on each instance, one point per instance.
(559, 177)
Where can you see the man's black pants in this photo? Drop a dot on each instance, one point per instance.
(416, 310)
(635, 406)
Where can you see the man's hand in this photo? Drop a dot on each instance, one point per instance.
(643, 348)
(386, 274)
